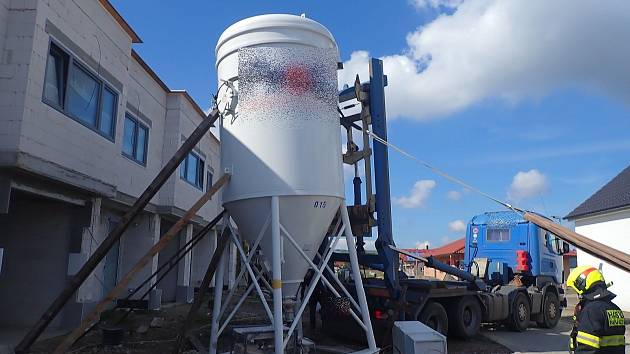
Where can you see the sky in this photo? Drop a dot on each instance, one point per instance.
(527, 100)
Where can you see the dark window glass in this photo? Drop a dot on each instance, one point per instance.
(108, 113)
(129, 136)
(200, 173)
(55, 77)
(135, 140)
(182, 169)
(78, 93)
(83, 93)
(498, 235)
(141, 143)
(192, 170)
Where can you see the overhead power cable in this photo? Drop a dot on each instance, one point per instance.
(599, 250)
(437, 170)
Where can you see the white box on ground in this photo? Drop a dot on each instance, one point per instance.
(413, 337)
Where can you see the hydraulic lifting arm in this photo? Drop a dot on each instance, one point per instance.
(371, 96)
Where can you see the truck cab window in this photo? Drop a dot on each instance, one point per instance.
(498, 235)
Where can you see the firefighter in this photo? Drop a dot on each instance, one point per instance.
(598, 323)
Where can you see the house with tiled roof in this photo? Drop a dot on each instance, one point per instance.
(605, 217)
(451, 253)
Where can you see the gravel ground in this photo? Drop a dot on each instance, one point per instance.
(140, 337)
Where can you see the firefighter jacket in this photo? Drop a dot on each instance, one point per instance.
(599, 325)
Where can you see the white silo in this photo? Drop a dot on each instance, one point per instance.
(280, 141)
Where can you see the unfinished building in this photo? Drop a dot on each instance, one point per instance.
(85, 125)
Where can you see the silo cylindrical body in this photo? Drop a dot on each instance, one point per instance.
(291, 146)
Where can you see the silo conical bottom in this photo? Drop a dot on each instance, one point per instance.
(306, 219)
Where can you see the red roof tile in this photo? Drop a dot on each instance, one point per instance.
(456, 246)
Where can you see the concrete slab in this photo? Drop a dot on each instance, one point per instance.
(534, 340)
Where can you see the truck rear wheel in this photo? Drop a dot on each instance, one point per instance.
(520, 313)
(465, 317)
(434, 315)
(550, 311)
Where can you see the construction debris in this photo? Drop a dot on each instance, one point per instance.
(142, 329)
(157, 322)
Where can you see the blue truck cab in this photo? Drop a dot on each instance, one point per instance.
(510, 245)
(509, 252)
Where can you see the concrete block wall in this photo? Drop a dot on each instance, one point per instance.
(34, 128)
(208, 148)
(142, 235)
(170, 144)
(88, 164)
(89, 34)
(16, 38)
(4, 17)
(146, 101)
(184, 270)
(201, 257)
(91, 237)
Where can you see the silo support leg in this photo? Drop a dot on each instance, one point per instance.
(252, 275)
(244, 263)
(218, 292)
(358, 282)
(276, 282)
(319, 276)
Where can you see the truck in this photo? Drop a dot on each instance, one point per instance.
(503, 246)
(511, 274)
(512, 270)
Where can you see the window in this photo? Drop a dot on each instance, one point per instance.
(108, 112)
(72, 89)
(192, 170)
(83, 90)
(55, 77)
(135, 140)
(498, 235)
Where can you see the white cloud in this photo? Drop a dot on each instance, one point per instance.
(512, 50)
(457, 226)
(420, 4)
(422, 245)
(527, 184)
(454, 195)
(418, 196)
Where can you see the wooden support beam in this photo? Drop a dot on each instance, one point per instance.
(113, 237)
(148, 257)
(611, 255)
(205, 283)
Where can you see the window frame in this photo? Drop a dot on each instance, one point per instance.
(201, 162)
(138, 124)
(63, 76)
(72, 60)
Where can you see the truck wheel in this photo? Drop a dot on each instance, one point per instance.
(551, 311)
(434, 315)
(520, 313)
(465, 317)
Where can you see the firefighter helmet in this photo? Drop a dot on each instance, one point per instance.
(582, 278)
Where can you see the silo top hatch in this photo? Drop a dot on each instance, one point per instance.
(273, 30)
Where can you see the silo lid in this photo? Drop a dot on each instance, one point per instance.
(252, 24)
